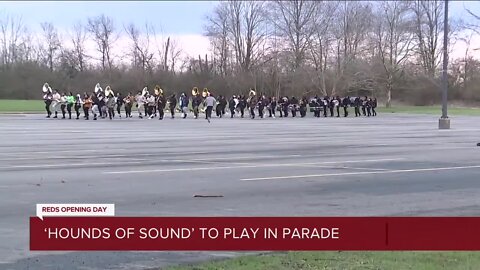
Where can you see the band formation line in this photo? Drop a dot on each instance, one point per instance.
(104, 103)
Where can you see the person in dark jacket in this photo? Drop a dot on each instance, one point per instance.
(374, 107)
(285, 106)
(326, 104)
(242, 104)
(272, 106)
(196, 101)
(172, 104)
(303, 107)
(161, 103)
(232, 105)
(369, 107)
(294, 104)
(345, 104)
(261, 105)
(364, 106)
(120, 103)
(357, 103)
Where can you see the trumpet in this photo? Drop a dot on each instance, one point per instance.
(205, 92)
(195, 91)
(158, 90)
(46, 88)
(97, 88)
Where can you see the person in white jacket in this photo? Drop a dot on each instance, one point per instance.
(55, 102)
(140, 99)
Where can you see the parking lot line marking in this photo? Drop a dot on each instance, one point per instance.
(250, 166)
(360, 173)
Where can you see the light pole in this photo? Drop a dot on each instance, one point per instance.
(444, 121)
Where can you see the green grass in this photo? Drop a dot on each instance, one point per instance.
(345, 261)
(9, 105)
(435, 110)
(30, 106)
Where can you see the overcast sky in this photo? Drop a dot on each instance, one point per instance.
(174, 17)
(181, 19)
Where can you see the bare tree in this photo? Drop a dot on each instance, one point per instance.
(12, 29)
(102, 29)
(141, 46)
(78, 38)
(394, 36)
(52, 42)
(246, 27)
(474, 26)
(350, 39)
(217, 30)
(429, 27)
(175, 53)
(296, 21)
(320, 45)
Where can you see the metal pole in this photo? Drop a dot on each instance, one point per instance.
(444, 122)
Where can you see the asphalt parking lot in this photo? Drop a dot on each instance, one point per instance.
(390, 165)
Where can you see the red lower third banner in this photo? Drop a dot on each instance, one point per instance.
(254, 233)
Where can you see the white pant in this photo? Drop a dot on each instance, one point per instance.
(141, 108)
(95, 110)
(54, 107)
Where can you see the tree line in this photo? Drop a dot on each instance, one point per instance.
(388, 49)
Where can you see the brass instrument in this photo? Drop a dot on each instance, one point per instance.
(109, 91)
(158, 90)
(97, 88)
(145, 91)
(252, 93)
(205, 92)
(195, 91)
(46, 88)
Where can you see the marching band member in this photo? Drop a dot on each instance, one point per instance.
(63, 104)
(161, 102)
(96, 105)
(70, 103)
(196, 101)
(87, 105)
(285, 106)
(369, 107)
(78, 105)
(209, 102)
(364, 106)
(252, 102)
(140, 99)
(231, 105)
(151, 103)
(272, 106)
(242, 104)
(47, 98)
(357, 103)
(338, 103)
(120, 101)
(303, 107)
(345, 104)
(55, 102)
(261, 105)
(172, 104)
(184, 105)
(326, 104)
(314, 104)
(293, 106)
(332, 105)
(111, 105)
(128, 101)
(218, 108)
(280, 106)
